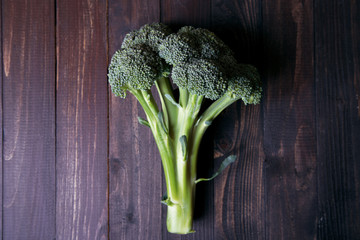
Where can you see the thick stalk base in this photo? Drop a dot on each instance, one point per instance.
(179, 219)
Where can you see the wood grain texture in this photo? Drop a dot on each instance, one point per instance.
(239, 193)
(337, 52)
(135, 164)
(198, 14)
(82, 125)
(186, 12)
(77, 165)
(29, 120)
(289, 120)
(1, 130)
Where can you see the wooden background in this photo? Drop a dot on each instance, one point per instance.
(77, 165)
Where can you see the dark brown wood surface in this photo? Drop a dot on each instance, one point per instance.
(77, 165)
(28, 93)
(289, 120)
(337, 75)
(1, 128)
(81, 121)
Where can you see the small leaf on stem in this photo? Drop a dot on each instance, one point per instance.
(183, 142)
(143, 122)
(172, 100)
(161, 119)
(230, 159)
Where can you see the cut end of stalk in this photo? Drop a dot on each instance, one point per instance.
(179, 220)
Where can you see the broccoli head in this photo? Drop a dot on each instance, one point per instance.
(199, 65)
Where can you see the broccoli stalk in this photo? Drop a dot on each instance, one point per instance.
(201, 66)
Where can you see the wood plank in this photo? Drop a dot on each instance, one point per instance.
(289, 120)
(1, 129)
(29, 119)
(239, 195)
(187, 12)
(337, 52)
(82, 125)
(239, 24)
(135, 164)
(195, 13)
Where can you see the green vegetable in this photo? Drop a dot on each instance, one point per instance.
(201, 66)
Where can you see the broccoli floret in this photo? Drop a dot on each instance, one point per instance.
(189, 43)
(245, 84)
(150, 34)
(209, 46)
(133, 68)
(201, 66)
(178, 48)
(200, 77)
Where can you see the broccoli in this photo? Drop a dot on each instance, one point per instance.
(202, 67)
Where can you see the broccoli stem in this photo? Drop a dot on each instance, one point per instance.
(212, 112)
(180, 191)
(181, 201)
(162, 139)
(179, 150)
(205, 121)
(180, 215)
(164, 88)
(184, 94)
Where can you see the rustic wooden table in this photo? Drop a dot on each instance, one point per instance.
(77, 165)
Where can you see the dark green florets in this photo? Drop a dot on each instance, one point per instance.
(229, 64)
(245, 84)
(150, 34)
(206, 78)
(201, 77)
(178, 48)
(179, 75)
(196, 58)
(209, 46)
(189, 43)
(135, 67)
